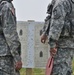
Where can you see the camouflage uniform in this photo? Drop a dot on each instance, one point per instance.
(61, 34)
(9, 41)
(46, 27)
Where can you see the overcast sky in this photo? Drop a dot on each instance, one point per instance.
(31, 9)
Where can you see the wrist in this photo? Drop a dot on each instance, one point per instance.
(17, 58)
(52, 43)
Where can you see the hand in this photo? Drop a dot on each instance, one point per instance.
(43, 38)
(18, 65)
(53, 51)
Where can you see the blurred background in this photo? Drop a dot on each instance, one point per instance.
(31, 9)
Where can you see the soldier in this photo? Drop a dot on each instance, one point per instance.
(10, 60)
(61, 36)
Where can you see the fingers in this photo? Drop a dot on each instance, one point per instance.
(53, 51)
(52, 54)
(43, 38)
(18, 65)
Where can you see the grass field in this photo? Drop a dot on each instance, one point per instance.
(40, 71)
(35, 71)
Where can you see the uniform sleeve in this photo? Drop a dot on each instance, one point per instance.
(10, 33)
(57, 22)
(46, 26)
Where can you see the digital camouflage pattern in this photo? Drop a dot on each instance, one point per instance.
(7, 66)
(46, 26)
(61, 35)
(63, 62)
(61, 25)
(9, 41)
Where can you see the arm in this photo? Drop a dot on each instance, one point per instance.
(46, 27)
(10, 33)
(59, 12)
(45, 30)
